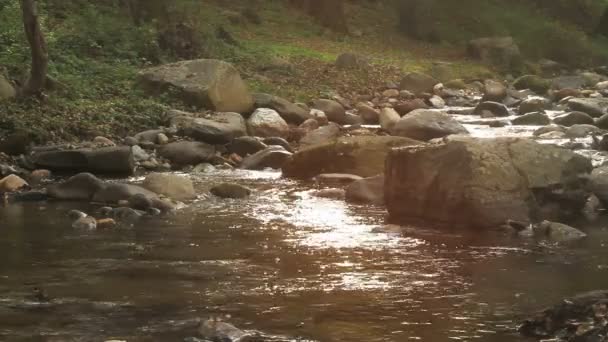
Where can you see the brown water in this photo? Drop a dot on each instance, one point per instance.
(289, 265)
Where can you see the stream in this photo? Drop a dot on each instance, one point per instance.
(284, 263)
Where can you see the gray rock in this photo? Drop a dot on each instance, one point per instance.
(557, 232)
(594, 107)
(85, 223)
(425, 125)
(272, 157)
(108, 160)
(333, 110)
(369, 115)
(244, 146)
(171, 185)
(139, 154)
(187, 152)
(230, 190)
(206, 83)
(353, 119)
(574, 118)
(582, 131)
(337, 194)
(321, 135)
(82, 186)
(388, 118)
(548, 129)
(367, 190)
(221, 331)
(490, 109)
(532, 119)
(266, 122)
(602, 122)
(494, 91)
(418, 83)
(289, 112)
(113, 193)
(218, 128)
(278, 141)
(535, 104)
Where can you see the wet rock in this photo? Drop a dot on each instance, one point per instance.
(272, 157)
(358, 155)
(82, 186)
(592, 209)
(85, 223)
(12, 183)
(39, 176)
(207, 83)
(598, 183)
(388, 118)
(480, 182)
(336, 178)
(494, 91)
(568, 82)
(278, 141)
(490, 109)
(171, 185)
(203, 168)
(581, 319)
(230, 190)
(127, 215)
(406, 107)
(425, 125)
(353, 119)
(574, 118)
(309, 125)
(288, 111)
(552, 135)
(418, 83)
(558, 95)
(140, 202)
(532, 119)
(244, 146)
(548, 129)
(162, 139)
(333, 110)
(367, 190)
(139, 154)
(218, 128)
(594, 107)
(602, 122)
(187, 152)
(582, 131)
(216, 330)
(266, 122)
(113, 193)
(557, 232)
(337, 194)
(76, 214)
(149, 136)
(535, 83)
(535, 104)
(321, 135)
(107, 160)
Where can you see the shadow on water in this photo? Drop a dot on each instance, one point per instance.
(282, 262)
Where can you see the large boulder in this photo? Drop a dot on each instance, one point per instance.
(333, 110)
(501, 51)
(79, 187)
(369, 114)
(108, 160)
(187, 152)
(7, 91)
(321, 135)
(494, 91)
(490, 109)
(273, 157)
(217, 128)
(532, 119)
(207, 83)
(425, 125)
(244, 146)
(359, 155)
(171, 185)
(418, 83)
(12, 183)
(367, 190)
(290, 112)
(574, 118)
(594, 107)
(482, 183)
(266, 122)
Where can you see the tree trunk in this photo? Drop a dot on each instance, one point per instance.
(37, 80)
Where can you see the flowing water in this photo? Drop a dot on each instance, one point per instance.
(284, 263)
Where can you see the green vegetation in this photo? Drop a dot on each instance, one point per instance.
(96, 49)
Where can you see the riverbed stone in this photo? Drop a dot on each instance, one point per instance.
(187, 152)
(367, 190)
(494, 91)
(107, 160)
(480, 183)
(573, 118)
(215, 128)
(532, 119)
(418, 83)
(231, 190)
(534, 104)
(278, 141)
(177, 187)
(273, 157)
(289, 111)
(321, 135)
(582, 131)
(217, 330)
(594, 107)
(358, 155)
(331, 193)
(12, 183)
(388, 118)
(491, 109)
(368, 113)
(557, 232)
(535, 83)
(408, 106)
(548, 129)
(266, 122)
(336, 178)
(206, 83)
(244, 146)
(425, 125)
(82, 186)
(334, 111)
(113, 193)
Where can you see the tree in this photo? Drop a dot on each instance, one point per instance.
(38, 73)
(329, 13)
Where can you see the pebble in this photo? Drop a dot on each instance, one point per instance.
(85, 223)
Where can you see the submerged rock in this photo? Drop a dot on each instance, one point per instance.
(173, 186)
(187, 152)
(482, 182)
(82, 186)
(367, 190)
(221, 331)
(230, 190)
